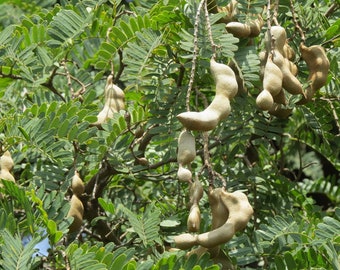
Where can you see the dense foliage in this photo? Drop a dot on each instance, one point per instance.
(55, 57)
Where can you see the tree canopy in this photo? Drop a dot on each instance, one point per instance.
(92, 96)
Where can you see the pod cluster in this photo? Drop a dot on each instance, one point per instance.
(76, 206)
(230, 211)
(230, 214)
(114, 101)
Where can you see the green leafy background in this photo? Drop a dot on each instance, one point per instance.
(54, 60)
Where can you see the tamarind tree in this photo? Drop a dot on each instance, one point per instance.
(94, 96)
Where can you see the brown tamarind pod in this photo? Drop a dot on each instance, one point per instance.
(318, 65)
(219, 212)
(219, 108)
(224, 78)
(277, 37)
(289, 82)
(185, 240)
(230, 10)
(77, 185)
(239, 30)
(289, 53)
(272, 77)
(194, 218)
(114, 101)
(6, 161)
(184, 174)
(255, 26)
(264, 100)
(280, 98)
(208, 119)
(240, 210)
(195, 192)
(76, 211)
(6, 165)
(186, 148)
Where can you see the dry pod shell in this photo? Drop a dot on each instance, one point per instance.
(194, 219)
(219, 108)
(290, 82)
(272, 80)
(76, 211)
(264, 100)
(318, 65)
(186, 148)
(77, 185)
(6, 161)
(185, 240)
(6, 165)
(240, 30)
(255, 26)
(114, 101)
(184, 174)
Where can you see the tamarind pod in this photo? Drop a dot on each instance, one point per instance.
(289, 82)
(186, 148)
(184, 174)
(208, 119)
(292, 67)
(225, 79)
(219, 212)
(255, 26)
(76, 211)
(280, 112)
(277, 37)
(6, 175)
(239, 30)
(264, 100)
(194, 218)
(216, 237)
(230, 10)
(77, 185)
(289, 53)
(185, 240)
(318, 65)
(272, 78)
(240, 210)
(195, 192)
(6, 161)
(280, 98)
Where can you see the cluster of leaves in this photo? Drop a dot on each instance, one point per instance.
(54, 59)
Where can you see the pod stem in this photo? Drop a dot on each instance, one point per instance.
(207, 162)
(195, 53)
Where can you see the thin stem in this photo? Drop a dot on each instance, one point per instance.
(296, 23)
(195, 53)
(275, 13)
(211, 39)
(206, 157)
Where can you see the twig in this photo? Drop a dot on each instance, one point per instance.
(275, 13)
(211, 39)
(195, 53)
(296, 23)
(206, 157)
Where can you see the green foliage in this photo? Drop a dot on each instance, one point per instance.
(54, 59)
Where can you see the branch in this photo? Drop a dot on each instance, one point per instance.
(194, 57)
